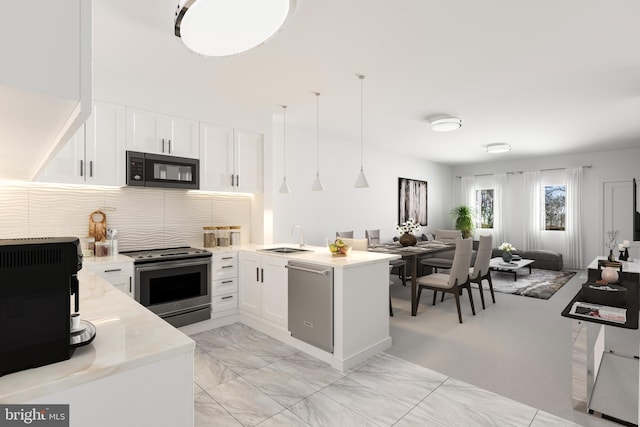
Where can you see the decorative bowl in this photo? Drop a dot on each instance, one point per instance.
(339, 248)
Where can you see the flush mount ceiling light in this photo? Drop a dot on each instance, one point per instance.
(446, 124)
(228, 27)
(498, 148)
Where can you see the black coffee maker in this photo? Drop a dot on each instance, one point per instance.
(37, 279)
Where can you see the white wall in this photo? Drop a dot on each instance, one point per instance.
(342, 207)
(608, 166)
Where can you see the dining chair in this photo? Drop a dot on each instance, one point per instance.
(347, 234)
(356, 244)
(480, 270)
(455, 281)
(399, 265)
(390, 283)
(443, 260)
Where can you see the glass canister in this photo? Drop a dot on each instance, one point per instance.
(209, 236)
(222, 235)
(234, 235)
(87, 245)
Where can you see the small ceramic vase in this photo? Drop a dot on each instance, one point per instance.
(610, 275)
(408, 239)
(507, 256)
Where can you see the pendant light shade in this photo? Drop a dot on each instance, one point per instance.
(228, 27)
(317, 183)
(284, 187)
(361, 180)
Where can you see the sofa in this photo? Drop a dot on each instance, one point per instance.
(543, 259)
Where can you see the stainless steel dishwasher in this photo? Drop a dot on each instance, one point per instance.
(311, 304)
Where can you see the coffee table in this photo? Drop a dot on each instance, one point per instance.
(498, 264)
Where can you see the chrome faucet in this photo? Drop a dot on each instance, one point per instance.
(298, 226)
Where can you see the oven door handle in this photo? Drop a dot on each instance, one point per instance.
(161, 265)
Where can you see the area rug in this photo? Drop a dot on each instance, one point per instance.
(539, 284)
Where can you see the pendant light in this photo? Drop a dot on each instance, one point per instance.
(317, 183)
(284, 188)
(361, 181)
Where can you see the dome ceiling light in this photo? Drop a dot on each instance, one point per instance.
(446, 124)
(498, 148)
(229, 27)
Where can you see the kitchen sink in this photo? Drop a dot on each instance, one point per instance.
(285, 250)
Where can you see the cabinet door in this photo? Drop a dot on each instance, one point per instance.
(274, 289)
(68, 165)
(105, 145)
(248, 162)
(182, 137)
(145, 131)
(249, 278)
(216, 157)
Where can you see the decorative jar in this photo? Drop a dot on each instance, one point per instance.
(610, 275)
(507, 256)
(408, 239)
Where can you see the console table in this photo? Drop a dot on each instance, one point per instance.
(605, 368)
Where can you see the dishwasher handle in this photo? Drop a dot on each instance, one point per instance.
(309, 270)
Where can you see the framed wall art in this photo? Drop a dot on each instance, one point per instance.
(412, 200)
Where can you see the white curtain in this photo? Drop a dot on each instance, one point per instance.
(573, 226)
(467, 191)
(499, 181)
(533, 210)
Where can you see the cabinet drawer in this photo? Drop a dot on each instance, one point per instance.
(224, 286)
(107, 271)
(224, 266)
(224, 302)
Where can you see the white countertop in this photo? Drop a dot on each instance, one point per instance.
(320, 255)
(127, 336)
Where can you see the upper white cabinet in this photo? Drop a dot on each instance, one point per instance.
(95, 154)
(45, 81)
(230, 160)
(151, 132)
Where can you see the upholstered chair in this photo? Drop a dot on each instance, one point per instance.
(480, 270)
(399, 266)
(455, 281)
(347, 234)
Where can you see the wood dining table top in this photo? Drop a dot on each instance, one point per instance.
(414, 253)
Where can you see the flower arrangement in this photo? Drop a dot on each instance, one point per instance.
(410, 226)
(507, 247)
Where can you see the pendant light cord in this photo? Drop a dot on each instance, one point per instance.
(361, 77)
(317, 133)
(284, 140)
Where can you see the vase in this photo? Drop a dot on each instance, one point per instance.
(610, 275)
(507, 256)
(408, 239)
(611, 257)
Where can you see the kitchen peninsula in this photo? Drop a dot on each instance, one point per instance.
(137, 371)
(360, 300)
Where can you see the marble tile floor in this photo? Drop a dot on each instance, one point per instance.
(244, 377)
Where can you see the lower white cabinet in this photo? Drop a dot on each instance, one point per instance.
(118, 273)
(224, 282)
(263, 286)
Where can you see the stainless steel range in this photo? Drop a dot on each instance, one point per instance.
(174, 283)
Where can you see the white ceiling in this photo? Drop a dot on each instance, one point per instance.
(545, 76)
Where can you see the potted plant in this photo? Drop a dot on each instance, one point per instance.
(464, 220)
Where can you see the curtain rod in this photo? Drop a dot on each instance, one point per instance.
(521, 172)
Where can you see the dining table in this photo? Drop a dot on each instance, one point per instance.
(413, 254)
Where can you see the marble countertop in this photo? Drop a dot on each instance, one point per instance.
(627, 266)
(127, 336)
(320, 255)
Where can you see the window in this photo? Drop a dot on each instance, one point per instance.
(484, 208)
(554, 207)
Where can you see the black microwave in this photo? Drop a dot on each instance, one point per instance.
(157, 170)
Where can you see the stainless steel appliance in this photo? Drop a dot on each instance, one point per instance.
(174, 283)
(38, 277)
(157, 170)
(311, 304)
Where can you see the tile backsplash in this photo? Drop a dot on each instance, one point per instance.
(145, 218)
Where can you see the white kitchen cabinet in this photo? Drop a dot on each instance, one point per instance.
(45, 81)
(230, 160)
(151, 132)
(263, 287)
(118, 273)
(224, 283)
(96, 152)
